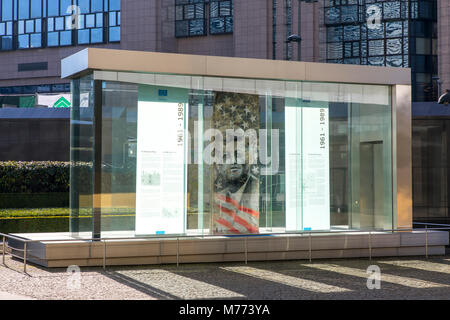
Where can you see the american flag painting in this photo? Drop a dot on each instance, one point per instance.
(236, 185)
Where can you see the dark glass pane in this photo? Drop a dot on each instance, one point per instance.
(50, 24)
(332, 15)
(66, 7)
(376, 48)
(84, 6)
(217, 25)
(181, 28)
(199, 11)
(376, 61)
(351, 33)
(391, 10)
(38, 25)
(394, 46)
(21, 27)
(99, 20)
(29, 27)
(97, 35)
(114, 34)
(334, 34)
(36, 40)
(349, 13)
(97, 5)
(7, 10)
(53, 39)
(90, 20)
(66, 38)
(229, 24)
(394, 61)
(178, 13)
(7, 43)
(189, 12)
(352, 61)
(43, 88)
(393, 29)
(36, 8)
(376, 32)
(196, 27)
(24, 9)
(225, 8)
(112, 19)
(214, 9)
(114, 5)
(59, 23)
(83, 36)
(23, 41)
(53, 8)
(334, 51)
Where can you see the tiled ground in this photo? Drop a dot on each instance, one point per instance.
(401, 278)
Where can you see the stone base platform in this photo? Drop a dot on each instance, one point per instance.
(81, 252)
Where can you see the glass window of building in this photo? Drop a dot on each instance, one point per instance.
(6, 25)
(378, 33)
(27, 24)
(221, 17)
(190, 18)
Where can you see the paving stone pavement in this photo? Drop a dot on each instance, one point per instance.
(401, 278)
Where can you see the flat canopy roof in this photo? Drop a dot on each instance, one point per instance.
(197, 65)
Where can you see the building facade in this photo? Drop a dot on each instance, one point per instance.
(394, 33)
(36, 34)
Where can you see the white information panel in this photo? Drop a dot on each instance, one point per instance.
(161, 167)
(307, 169)
(293, 140)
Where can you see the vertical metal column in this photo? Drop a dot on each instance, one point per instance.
(97, 204)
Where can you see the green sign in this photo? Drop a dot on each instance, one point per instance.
(62, 103)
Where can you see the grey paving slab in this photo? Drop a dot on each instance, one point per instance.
(401, 278)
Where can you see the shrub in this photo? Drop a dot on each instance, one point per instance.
(34, 176)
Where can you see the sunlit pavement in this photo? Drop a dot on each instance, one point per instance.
(400, 278)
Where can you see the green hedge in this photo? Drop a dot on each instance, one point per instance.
(34, 177)
(34, 200)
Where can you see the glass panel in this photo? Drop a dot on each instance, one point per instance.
(96, 35)
(24, 9)
(66, 6)
(7, 10)
(53, 8)
(83, 36)
(24, 41)
(35, 40)
(97, 5)
(65, 38)
(114, 34)
(81, 156)
(36, 8)
(114, 5)
(53, 39)
(198, 155)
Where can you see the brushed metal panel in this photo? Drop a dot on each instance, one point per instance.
(403, 153)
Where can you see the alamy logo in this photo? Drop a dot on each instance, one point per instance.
(373, 17)
(74, 280)
(374, 279)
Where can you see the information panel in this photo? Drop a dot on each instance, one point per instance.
(161, 167)
(307, 168)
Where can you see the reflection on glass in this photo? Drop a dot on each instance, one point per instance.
(239, 156)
